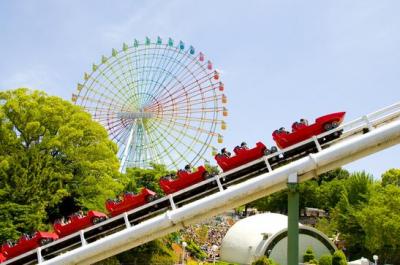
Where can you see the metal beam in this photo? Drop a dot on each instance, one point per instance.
(293, 220)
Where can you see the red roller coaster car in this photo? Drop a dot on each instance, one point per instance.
(2, 258)
(185, 179)
(303, 131)
(26, 243)
(129, 201)
(241, 157)
(78, 222)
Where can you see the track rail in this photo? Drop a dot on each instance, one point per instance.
(361, 137)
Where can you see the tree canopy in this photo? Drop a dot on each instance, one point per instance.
(323, 192)
(146, 177)
(50, 150)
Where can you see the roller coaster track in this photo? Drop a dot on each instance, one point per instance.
(359, 138)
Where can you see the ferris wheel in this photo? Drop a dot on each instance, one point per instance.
(161, 102)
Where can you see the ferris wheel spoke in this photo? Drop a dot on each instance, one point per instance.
(199, 97)
(143, 61)
(152, 71)
(139, 60)
(117, 86)
(186, 82)
(155, 147)
(197, 104)
(185, 126)
(129, 81)
(190, 72)
(164, 66)
(155, 69)
(119, 131)
(192, 111)
(137, 83)
(173, 105)
(103, 110)
(186, 118)
(173, 144)
(178, 66)
(104, 101)
(171, 67)
(121, 84)
(184, 88)
(189, 136)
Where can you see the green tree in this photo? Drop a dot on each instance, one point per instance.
(356, 193)
(338, 174)
(323, 192)
(147, 177)
(325, 226)
(329, 193)
(392, 176)
(50, 150)
(380, 221)
(109, 261)
(152, 253)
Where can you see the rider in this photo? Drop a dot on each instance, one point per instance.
(299, 125)
(304, 121)
(225, 153)
(243, 145)
(188, 168)
(283, 130)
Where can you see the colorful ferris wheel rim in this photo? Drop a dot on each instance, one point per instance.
(161, 102)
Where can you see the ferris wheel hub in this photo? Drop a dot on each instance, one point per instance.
(135, 115)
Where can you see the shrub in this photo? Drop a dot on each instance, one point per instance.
(264, 261)
(309, 255)
(325, 260)
(339, 258)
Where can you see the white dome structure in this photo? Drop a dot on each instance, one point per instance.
(266, 234)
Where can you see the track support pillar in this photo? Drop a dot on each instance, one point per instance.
(293, 220)
(171, 201)
(83, 240)
(39, 255)
(126, 219)
(220, 187)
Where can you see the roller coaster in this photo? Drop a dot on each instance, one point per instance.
(248, 175)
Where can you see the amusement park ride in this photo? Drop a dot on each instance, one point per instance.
(180, 88)
(160, 102)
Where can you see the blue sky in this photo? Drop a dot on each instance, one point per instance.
(280, 60)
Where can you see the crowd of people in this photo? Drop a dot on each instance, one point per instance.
(209, 233)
